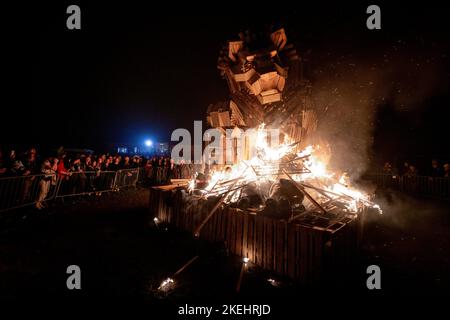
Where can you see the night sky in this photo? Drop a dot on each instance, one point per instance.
(133, 72)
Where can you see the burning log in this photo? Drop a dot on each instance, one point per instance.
(169, 283)
(187, 264)
(310, 198)
(218, 204)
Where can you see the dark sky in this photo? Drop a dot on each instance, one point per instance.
(137, 71)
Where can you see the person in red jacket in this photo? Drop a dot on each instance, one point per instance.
(63, 174)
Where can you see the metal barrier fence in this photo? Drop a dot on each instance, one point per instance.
(417, 185)
(82, 183)
(142, 176)
(17, 192)
(126, 178)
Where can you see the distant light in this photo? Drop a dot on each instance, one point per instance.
(245, 259)
(148, 143)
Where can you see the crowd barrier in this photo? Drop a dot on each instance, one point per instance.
(418, 185)
(22, 191)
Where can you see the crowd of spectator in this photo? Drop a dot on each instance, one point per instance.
(158, 169)
(81, 172)
(435, 170)
(62, 164)
(77, 172)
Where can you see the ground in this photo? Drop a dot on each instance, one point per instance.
(122, 253)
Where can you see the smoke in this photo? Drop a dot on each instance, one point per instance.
(406, 212)
(348, 89)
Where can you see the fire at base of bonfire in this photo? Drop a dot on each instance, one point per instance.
(167, 285)
(284, 181)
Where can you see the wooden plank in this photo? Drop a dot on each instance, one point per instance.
(259, 221)
(256, 239)
(186, 214)
(161, 203)
(264, 244)
(244, 234)
(217, 222)
(151, 205)
(291, 250)
(228, 228)
(190, 219)
(280, 228)
(239, 225)
(168, 207)
(186, 218)
(176, 206)
(311, 247)
(268, 243)
(233, 232)
(309, 257)
(180, 214)
(169, 214)
(303, 255)
(208, 226)
(318, 247)
(164, 196)
(224, 225)
(298, 252)
(158, 199)
(285, 248)
(220, 225)
(211, 228)
(214, 228)
(251, 237)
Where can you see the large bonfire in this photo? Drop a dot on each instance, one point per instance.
(289, 180)
(290, 183)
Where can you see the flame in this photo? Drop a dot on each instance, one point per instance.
(314, 163)
(166, 284)
(317, 176)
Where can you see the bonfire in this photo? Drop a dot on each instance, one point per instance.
(285, 182)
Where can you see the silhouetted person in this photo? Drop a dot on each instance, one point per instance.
(435, 170)
(446, 170)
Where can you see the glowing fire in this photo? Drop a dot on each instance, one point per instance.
(269, 165)
(166, 284)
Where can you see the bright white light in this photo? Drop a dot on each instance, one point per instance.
(148, 143)
(245, 259)
(166, 284)
(155, 219)
(273, 282)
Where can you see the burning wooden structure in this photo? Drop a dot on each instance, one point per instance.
(279, 207)
(278, 213)
(305, 249)
(264, 74)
